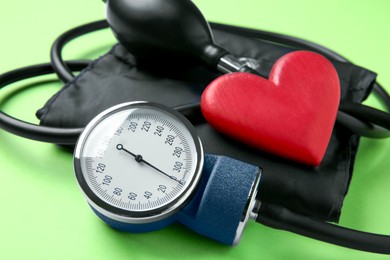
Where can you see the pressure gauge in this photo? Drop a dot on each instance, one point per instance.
(138, 162)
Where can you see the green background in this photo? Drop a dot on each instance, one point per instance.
(43, 213)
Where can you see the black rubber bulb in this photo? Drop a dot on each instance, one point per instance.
(161, 30)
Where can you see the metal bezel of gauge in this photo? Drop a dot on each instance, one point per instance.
(132, 216)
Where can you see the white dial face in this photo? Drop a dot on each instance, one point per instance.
(138, 158)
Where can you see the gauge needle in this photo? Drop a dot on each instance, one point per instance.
(140, 159)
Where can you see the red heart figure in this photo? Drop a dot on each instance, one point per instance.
(291, 114)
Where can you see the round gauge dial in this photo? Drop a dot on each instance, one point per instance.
(138, 162)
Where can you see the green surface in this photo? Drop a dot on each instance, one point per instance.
(43, 213)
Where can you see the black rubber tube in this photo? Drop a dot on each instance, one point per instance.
(281, 218)
(59, 66)
(31, 131)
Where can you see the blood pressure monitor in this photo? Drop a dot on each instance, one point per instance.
(141, 167)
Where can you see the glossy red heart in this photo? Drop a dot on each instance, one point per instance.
(291, 114)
